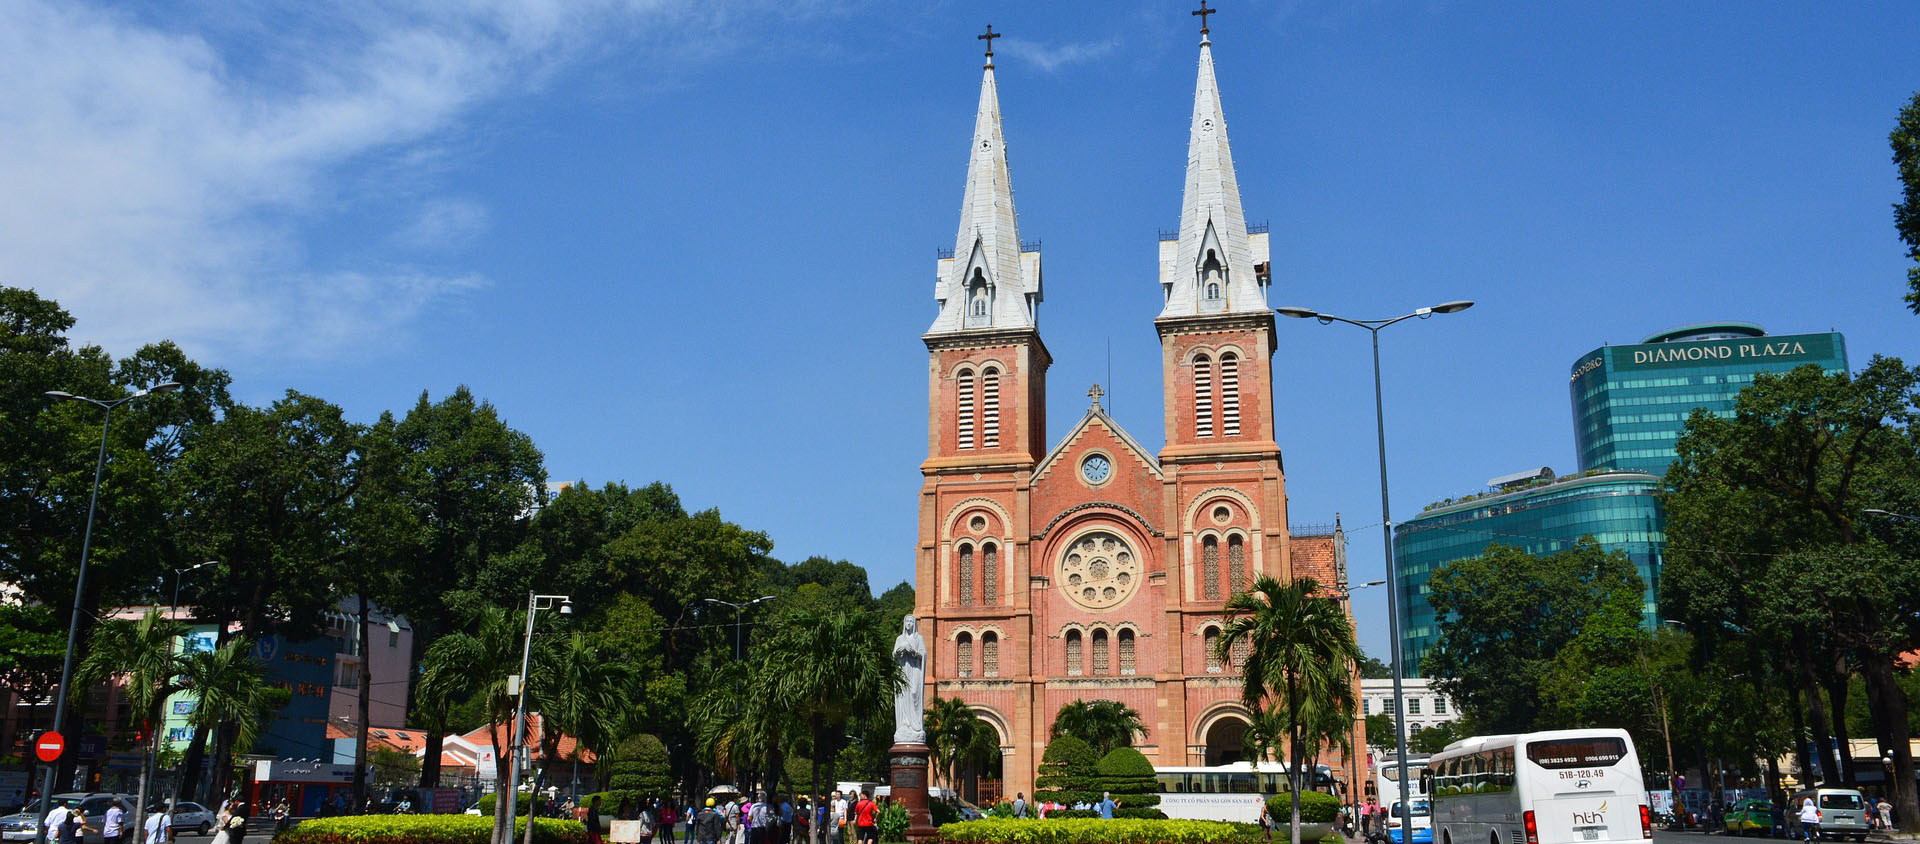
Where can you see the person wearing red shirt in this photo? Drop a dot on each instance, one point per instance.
(863, 818)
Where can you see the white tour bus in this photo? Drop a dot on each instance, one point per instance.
(1561, 787)
(1387, 786)
(1232, 792)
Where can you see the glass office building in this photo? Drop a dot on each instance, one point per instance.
(1536, 512)
(1631, 402)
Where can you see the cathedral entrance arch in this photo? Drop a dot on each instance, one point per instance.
(1223, 731)
(980, 780)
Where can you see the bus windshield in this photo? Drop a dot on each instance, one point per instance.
(1420, 809)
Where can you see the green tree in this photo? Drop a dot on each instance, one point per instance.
(584, 692)
(1435, 737)
(394, 768)
(1380, 730)
(1129, 777)
(1102, 724)
(1506, 614)
(1905, 141)
(143, 652)
(1067, 771)
(231, 699)
(1374, 669)
(831, 664)
(1771, 541)
(1301, 655)
(477, 662)
(957, 737)
(639, 768)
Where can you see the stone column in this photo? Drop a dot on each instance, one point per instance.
(908, 764)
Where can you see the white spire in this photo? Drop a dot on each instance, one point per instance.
(987, 283)
(1211, 270)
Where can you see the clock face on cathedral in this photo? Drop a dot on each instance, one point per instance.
(1096, 468)
(1099, 570)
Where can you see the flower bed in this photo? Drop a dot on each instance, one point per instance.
(424, 829)
(1095, 831)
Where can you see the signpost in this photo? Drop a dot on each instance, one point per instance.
(50, 745)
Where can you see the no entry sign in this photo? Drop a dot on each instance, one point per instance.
(50, 746)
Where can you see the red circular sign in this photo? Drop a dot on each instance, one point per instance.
(50, 746)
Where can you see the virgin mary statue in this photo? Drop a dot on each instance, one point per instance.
(910, 704)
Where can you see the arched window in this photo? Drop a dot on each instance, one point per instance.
(1212, 283)
(989, 654)
(1099, 652)
(966, 575)
(979, 300)
(1210, 568)
(1229, 394)
(1126, 651)
(1202, 396)
(965, 409)
(1210, 641)
(1241, 650)
(1073, 653)
(1236, 563)
(989, 407)
(963, 654)
(990, 573)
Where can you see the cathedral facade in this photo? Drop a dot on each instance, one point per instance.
(1086, 567)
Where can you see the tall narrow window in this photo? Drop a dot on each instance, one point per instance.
(1126, 651)
(1202, 396)
(965, 410)
(1236, 564)
(1229, 394)
(1099, 651)
(1210, 568)
(1241, 649)
(989, 654)
(990, 574)
(989, 407)
(963, 654)
(966, 575)
(1073, 653)
(1210, 641)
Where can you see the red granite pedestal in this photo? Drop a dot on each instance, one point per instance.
(908, 763)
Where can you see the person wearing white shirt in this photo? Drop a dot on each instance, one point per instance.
(160, 826)
(112, 824)
(55, 819)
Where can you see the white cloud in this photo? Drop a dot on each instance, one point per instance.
(1051, 57)
(158, 178)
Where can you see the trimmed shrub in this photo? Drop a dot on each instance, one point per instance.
(1095, 831)
(1315, 807)
(640, 764)
(1142, 812)
(1129, 776)
(520, 804)
(1071, 814)
(1067, 772)
(424, 829)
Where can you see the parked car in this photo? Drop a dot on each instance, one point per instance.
(189, 815)
(93, 804)
(1843, 813)
(1750, 816)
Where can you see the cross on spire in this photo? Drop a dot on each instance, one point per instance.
(1203, 13)
(989, 39)
(1095, 393)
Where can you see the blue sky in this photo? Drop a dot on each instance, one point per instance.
(695, 242)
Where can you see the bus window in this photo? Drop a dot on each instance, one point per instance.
(1594, 752)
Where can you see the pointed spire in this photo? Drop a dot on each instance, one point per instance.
(987, 283)
(1212, 269)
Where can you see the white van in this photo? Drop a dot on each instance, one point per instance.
(1843, 813)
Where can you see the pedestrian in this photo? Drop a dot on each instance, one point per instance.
(1107, 805)
(221, 836)
(1777, 821)
(237, 823)
(864, 817)
(1020, 804)
(160, 825)
(783, 823)
(73, 826)
(708, 826)
(1266, 820)
(281, 814)
(593, 820)
(667, 818)
(113, 823)
(1886, 813)
(648, 826)
(822, 814)
(836, 817)
(1809, 819)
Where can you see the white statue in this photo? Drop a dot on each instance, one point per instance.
(910, 704)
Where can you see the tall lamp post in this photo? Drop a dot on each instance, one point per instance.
(1373, 327)
(535, 603)
(739, 612)
(1347, 596)
(80, 582)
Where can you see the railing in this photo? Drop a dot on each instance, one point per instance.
(1169, 235)
(1261, 227)
(942, 253)
(1029, 246)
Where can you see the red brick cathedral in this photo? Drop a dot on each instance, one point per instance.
(1085, 567)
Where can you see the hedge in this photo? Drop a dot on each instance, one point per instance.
(486, 801)
(1095, 831)
(1126, 773)
(1067, 773)
(1315, 807)
(424, 829)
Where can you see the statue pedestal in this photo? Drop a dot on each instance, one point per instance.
(908, 765)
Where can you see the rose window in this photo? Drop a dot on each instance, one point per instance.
(1099, 570)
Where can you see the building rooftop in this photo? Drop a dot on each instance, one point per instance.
(1706, 331)
(1533, 488)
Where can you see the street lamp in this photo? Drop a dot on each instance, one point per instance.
(1373, 327)
(738, 610)
(80, 582)
(1892, 515)
(535, 603)
(153, 741)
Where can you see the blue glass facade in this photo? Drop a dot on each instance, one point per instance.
(1630, 402)
(1618, 509)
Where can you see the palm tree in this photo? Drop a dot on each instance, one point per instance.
(1103, 724)
(584, 692)
(232, 697)
(143, 650)
(1300, 651)
(479, 661)
(833, 664)
(958, 737)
